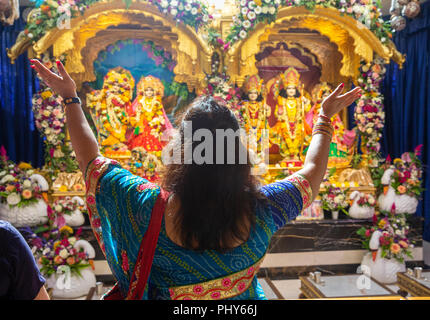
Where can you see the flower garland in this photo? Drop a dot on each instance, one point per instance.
(393, 241)
(369, 112)
(50, 120)
(55, 249)
(190, 12)
(253, 12)
(53, 14)
(16, 187)
(49, 116)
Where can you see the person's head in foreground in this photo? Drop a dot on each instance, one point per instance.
(212, 181)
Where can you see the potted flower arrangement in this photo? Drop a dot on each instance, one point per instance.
(388, 244)
(334, 199)
(402, 183)
(22, 190)
(65, 261)
(362, 205)
(68, 211)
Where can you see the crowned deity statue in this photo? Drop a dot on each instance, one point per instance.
(343, 139)
(152, 128)
(254, 112)
(291, 132)
(109, 108)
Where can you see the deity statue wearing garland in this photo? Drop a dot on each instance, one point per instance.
(291, 132)
(254, 112)
(144, 164)
(151, 125)
(343, 139)
(109, 109)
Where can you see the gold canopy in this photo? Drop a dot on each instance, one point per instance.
(350, 38)
(95, 30)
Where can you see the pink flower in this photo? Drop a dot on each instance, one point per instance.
(406, 157)
(388, 160)
(241, 286)
(198, 289)
(216, 295)
(96, 223)
(417, 150)
(226, 282)
(91, 199)
(251, 270)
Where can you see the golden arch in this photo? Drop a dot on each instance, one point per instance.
(354, 41)
(88, 34)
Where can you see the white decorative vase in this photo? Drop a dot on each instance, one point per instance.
(74, 287)
(335, 215)
(70, 286)
(28, 216)
(382, 270)
(359, 212)
(364, 212)
(403, 203)
(75, 219)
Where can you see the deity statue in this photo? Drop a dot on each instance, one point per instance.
(151, 125)
(343, 139)
(144, 164)
(109, 108)
(291, 132)
(254, 112)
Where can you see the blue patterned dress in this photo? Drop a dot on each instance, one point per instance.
(120, 206)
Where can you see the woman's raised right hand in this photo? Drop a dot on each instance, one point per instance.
(335, 102)
(62, 84)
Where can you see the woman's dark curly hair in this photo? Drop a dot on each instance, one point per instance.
(215, 199)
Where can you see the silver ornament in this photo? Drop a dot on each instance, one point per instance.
(411, 10)
(398, 23)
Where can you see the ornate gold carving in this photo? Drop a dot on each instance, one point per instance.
(360, 176)
(354, 41)
(187, 46)
(410, 285)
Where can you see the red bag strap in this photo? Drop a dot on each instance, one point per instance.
(144, 260)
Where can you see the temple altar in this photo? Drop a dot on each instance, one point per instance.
(139, 64)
